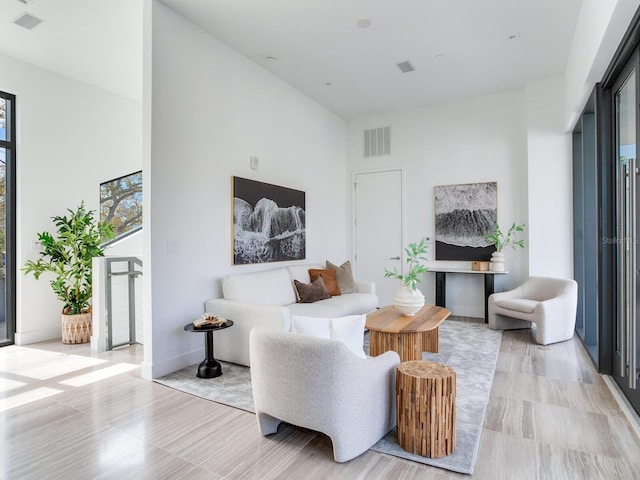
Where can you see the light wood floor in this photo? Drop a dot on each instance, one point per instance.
(65, 413)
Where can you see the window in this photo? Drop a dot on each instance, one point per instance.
(7, 217)
(121, 204)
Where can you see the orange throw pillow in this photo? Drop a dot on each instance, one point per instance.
(329, 279)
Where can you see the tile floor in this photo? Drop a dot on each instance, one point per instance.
(68, 413)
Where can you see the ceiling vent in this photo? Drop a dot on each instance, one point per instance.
(27, 21)
(405, 67)
(377, 142)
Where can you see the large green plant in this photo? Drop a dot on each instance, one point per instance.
(69, 254)
(502, 240)
(415, 255)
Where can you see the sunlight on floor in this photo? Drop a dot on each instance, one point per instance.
(27, 397)
(29, 374)
(98, 375)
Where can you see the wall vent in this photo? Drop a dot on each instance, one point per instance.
(377, 142)
(27, 21)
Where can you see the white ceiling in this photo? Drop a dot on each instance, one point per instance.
(95, 41)
(459, 48)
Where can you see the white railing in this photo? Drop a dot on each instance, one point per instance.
(117, 302)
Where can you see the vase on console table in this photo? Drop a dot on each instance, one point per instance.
(408, 301)
(497, 262)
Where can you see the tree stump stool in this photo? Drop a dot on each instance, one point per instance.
(426, 408)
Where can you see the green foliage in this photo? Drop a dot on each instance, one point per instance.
(69, 257)
(415, 254)
(500, 240)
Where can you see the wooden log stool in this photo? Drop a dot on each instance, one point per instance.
(426, 408)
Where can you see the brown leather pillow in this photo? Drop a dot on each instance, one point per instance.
(346, 284)
(311, 292)
(328, 277)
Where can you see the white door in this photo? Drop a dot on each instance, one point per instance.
(378, 229)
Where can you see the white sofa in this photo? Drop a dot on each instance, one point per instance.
(268, 299)
(320, 384)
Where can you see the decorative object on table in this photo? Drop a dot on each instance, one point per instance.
(464, 215)
(500, 241)
(408, 299)
(268, 222)
(208, 320)
(209, 367)
(426, 408)
(69, 256)
(480, 266)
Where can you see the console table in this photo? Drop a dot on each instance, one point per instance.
(441, 284)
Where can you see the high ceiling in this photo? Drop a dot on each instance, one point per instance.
(98, 42)
(459, 48)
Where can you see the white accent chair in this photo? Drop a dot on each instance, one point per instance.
(548, 302)
(319, 384)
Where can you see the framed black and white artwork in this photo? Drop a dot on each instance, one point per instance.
(268, 222)
(464, 215)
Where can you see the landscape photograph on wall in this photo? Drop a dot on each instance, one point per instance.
(464, 215)
(268, 222)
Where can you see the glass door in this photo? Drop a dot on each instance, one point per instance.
(625, 366)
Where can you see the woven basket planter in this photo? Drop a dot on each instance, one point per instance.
(76, 328)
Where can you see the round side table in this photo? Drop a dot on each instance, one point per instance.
(210, 367)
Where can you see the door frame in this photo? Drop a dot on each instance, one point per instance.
(403, 209)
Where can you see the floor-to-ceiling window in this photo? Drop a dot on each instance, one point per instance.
(625, 92)
(7, 217)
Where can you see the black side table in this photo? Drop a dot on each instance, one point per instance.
(210, 367)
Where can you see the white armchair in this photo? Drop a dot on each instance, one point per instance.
(550, 303)
(320, 384)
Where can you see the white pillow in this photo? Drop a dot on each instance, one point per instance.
(350, 331)
(311, 326)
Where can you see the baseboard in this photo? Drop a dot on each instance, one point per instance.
(170, 365)
(624, 404)
(35, 336)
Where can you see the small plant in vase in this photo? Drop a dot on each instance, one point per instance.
(408, 299)
(501, 241)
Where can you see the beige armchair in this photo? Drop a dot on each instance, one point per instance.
(320, 384)
(550, 303)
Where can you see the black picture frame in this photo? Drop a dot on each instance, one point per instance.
(269, 222)
(464, 215)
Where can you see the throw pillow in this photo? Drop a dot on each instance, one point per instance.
(311, 326)
(311, 292)
(350, 331)
(344, 276)
(329, 279)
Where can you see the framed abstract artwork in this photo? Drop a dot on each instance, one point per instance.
(464, 214)
(268, 222)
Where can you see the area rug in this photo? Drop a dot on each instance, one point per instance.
(470, 348)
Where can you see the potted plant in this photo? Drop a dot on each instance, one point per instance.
(500, 240)
(408, 299)
(68, 256)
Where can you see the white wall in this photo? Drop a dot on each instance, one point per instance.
(549, 176)
(474, 140)
(600, 28)
(71, 137)
(210, 110)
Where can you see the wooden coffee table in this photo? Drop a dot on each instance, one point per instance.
(409, 335)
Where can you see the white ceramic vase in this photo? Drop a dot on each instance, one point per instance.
(408, 301)
(497, 262)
